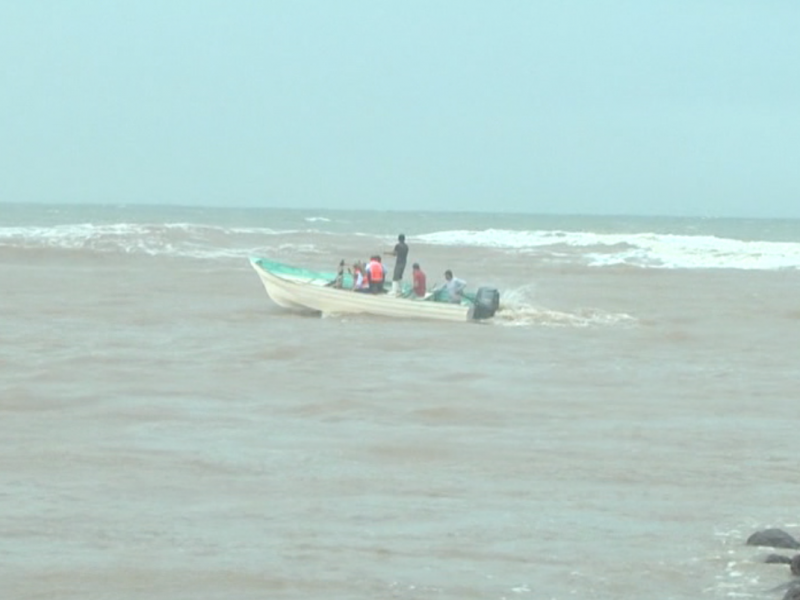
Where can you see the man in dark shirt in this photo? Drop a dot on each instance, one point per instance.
(400, 253)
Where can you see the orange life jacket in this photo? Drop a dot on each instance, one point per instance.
(375, 270)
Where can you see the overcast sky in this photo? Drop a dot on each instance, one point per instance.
(598, 107)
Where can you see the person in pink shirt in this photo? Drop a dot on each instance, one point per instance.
(420, 284)
(360, 283)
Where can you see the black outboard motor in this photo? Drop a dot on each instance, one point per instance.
(487, 301)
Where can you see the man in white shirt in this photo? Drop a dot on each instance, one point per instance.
(454, 287)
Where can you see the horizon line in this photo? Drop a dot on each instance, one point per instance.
(394, 210)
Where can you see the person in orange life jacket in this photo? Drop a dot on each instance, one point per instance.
(420, 285)
(376, 273)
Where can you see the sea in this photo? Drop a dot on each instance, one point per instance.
(618, 430)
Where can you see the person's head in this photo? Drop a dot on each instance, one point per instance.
(415, 266)
(448, 274)
(341, 263)
(401, 237)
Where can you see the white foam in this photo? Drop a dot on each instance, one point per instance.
(637, 249)
(517, 309)
(168, 239)
(643, 250)
(536, 316)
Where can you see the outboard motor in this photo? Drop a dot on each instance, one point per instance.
(487, 301)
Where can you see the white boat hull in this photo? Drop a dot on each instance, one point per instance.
(301, 294)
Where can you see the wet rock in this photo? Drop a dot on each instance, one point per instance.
(778, 559)
(793, 593)
(793, 587)
(794, 565)
(777, 538)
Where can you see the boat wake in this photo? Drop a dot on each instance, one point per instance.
(533, 316)
(517, 309)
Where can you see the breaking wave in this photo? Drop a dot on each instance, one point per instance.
(639, 250)
(648, 250)
(170, 239)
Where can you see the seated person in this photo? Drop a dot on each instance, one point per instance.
(339, 280)
(360, 283)
(376, 273)
(453, 287)
(420, 285)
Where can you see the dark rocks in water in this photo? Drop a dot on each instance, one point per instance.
(793, 593)
(794, 564)
(778, 559)
(777, 538)
(793, 587)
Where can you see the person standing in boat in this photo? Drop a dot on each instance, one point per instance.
(420, 285)
(375, 274)
(400, 253)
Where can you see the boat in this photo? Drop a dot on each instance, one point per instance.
(301, 289)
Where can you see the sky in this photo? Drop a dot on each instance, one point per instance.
(686, 108)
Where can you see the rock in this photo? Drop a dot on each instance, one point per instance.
(794, 565)
(777, 538)
(779, 559)
(793, 593)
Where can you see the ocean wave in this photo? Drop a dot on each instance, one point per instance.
(639, 250)
(649, 250)
(166, 239)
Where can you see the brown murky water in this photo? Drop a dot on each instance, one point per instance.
(616, 433)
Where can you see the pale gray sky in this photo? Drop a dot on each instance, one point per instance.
(603, 107)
